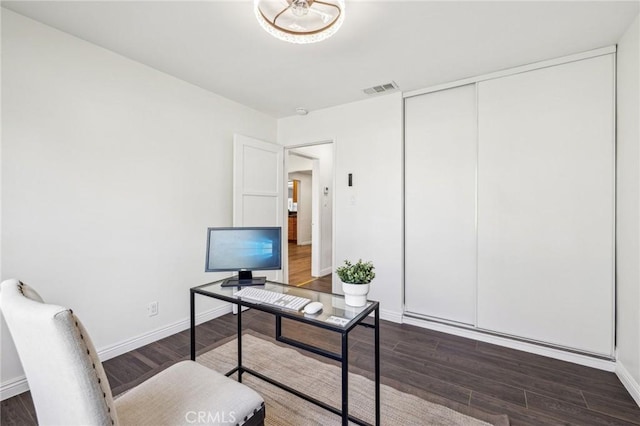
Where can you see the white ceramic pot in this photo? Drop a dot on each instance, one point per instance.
(355, 294)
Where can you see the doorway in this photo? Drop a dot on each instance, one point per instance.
(309, 171)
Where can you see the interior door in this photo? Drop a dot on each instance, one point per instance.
(258, 187)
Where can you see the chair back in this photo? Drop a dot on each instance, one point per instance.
(67, 381)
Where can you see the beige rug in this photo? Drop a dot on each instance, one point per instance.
(322, 381)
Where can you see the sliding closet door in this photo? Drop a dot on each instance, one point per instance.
(440, 194)
(546, 205)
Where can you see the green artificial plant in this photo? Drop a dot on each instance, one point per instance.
(356, 273)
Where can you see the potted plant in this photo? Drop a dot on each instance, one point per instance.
(356, 278)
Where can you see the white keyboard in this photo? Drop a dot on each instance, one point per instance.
(284, 301)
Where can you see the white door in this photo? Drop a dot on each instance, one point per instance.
(440, 204)
(546, 205)
(258, 187)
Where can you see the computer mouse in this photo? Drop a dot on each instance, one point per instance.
(313, 307)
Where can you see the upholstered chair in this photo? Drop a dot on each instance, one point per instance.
(69, 386)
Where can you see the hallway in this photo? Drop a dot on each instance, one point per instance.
(300, 269)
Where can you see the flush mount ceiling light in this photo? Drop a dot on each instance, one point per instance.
(300, 21)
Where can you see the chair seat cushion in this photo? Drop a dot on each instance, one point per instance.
(188, 393)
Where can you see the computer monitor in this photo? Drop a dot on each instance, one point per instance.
(244, 250)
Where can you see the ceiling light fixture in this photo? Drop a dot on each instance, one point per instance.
(300, 21)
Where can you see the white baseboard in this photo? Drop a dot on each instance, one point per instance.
(391, 316)
(600, 364)
(128, 345)
(13, 387)
(324, 272)
(160, 333)
(304, 243)
(629, 382)
(18, 385)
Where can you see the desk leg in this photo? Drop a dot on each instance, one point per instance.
(278, 327)
(377, 362)
(193, 326)
(345, 380)
(239, 343)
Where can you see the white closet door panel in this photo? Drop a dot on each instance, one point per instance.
(545, 205)
(440, 193)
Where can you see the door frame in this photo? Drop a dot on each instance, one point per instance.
(314, 218)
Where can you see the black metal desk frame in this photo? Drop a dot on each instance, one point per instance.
(342, 357)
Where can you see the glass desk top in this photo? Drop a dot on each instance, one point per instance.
(335, 313)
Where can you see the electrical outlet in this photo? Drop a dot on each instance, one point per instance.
(152, 309)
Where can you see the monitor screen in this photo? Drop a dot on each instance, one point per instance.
(243, 249)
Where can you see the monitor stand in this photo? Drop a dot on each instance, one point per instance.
(244, 278)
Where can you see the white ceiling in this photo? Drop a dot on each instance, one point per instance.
(219, 46)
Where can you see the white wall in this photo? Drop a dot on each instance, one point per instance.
(112, 171)
(297, 163)
(368, 215)
(628, 211)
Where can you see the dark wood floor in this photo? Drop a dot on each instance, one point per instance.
(300, 269)
(530, 389)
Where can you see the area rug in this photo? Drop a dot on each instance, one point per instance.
(322, 381)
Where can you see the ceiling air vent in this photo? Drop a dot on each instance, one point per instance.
(383, 88)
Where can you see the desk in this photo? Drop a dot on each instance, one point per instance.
(334, 307)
